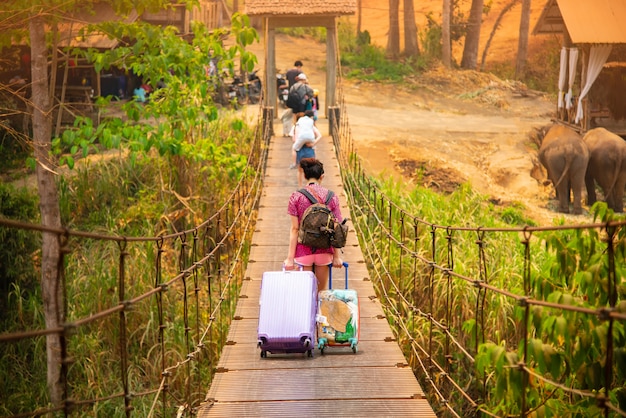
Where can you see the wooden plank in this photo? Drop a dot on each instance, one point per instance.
(244, 331)
(240, 357)
(417, 408)
(375, 381)
(304, 384)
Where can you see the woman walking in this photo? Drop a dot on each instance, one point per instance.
(310, 259)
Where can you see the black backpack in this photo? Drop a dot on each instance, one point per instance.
(319, 227)
(295, 100)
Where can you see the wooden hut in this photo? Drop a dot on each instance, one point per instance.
(592, 77)
(292, 13)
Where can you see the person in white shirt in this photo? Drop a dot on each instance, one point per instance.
(305, 136)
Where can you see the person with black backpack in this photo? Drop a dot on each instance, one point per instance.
(311, 245)
(299, 94)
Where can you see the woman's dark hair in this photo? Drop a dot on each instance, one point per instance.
(310, 113)
(313, 168)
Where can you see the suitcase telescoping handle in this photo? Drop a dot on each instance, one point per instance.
(330, 275)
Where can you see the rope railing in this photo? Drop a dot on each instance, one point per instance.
(196, 277)
(468, 337)
(444, 309)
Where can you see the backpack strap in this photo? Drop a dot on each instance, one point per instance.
(308, 196)
(329, 196)
(313, 200)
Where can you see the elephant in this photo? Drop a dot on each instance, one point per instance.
(607, 167)
(564, 154)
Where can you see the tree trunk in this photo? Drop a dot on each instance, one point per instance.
(472, 36)
(358, 16)
(522, 46)
(51, 287)
(446, 45)
(411, 48)
(496, 25)
(393, 41)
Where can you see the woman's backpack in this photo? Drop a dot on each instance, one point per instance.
(318, 226)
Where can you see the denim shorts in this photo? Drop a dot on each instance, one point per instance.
(305, 152)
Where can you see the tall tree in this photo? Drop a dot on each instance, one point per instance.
(522, 46)
(411, 48)
(52, 290)
(472, 36)
(393, 39)
(359, 9)
(496, 26)
(446, 44)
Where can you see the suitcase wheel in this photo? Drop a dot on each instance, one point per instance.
(353, 343)
(321, 344)
(263, 353)
(309, 353)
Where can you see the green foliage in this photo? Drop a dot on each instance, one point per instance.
(567, 267)
(317, 33)
(365, 61)
(20, 300)
(18, 250)
(430, 38)
(176, 160)
(514, 215)
(369, 62)
(184, 108)
(569, 347)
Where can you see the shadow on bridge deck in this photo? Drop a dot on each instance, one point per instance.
(376, 381)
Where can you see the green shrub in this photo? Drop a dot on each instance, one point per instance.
(17, 252)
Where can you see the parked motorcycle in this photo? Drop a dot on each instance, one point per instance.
(240, 93)
(255, 91)
(282, 87)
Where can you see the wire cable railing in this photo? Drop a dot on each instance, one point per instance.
(478, 347)
(445, 308)
(197, 274)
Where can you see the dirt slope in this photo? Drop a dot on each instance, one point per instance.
(446, 128)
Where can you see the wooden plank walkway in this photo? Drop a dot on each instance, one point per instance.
(374, 382)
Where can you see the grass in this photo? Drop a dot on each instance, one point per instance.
(133, 197)
(568, 267)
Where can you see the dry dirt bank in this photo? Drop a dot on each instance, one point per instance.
(444, 128)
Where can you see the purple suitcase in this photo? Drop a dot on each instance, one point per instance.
(288, 305)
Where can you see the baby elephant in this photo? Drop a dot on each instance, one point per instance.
(565, 156)
(607, 166)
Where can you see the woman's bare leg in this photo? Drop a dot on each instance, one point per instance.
(321, 272)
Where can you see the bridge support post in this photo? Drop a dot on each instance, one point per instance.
(334, 116)
(268, 121)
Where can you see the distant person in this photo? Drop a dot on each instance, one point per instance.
(294, 72)
(315, 104)
(287, 120)
(305, 137)
(304, 93)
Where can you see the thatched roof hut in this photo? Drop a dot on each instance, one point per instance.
(594, 30)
